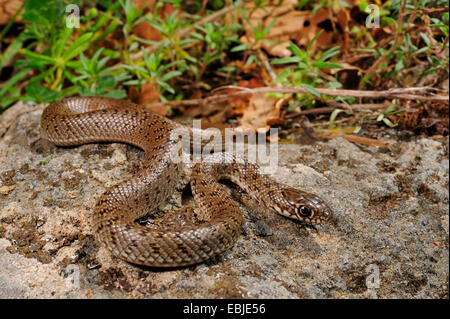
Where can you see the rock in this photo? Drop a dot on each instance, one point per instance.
(389, 236)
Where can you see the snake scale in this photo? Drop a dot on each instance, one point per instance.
(79, 120)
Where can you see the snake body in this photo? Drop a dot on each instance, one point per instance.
(80, 120)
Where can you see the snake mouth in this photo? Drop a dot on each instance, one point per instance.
(326, 213)
(317, 220)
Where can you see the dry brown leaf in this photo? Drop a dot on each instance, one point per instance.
(290, 25)
(354, 139)
(8, 8)
(143, 29)
(256, 113)
(133, 94)
(259, 113)
(343, 18)
(345, 66)
(252, 83)
(211, 114)
(311, 29)
(150, 94)
(240, 103)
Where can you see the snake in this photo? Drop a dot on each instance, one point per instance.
(81, 119)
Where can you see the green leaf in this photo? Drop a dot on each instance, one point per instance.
(426, 72)
(333, 85)
(13, 96)
(106, 82)
(156, 25)
(365, 50)
(38, 57)
(425, 38)
(16, 78)
(227, 69)
(291, 59)
(42, 94)
(251, 58)
(296, 50)
(84, 61)
(170, 75)
(388, 122)
(380, 117)
(116, 94)
(333, 117)
(399, 65)
(326, 65)
(97, 54)
(77, 46)
(76, 65)
(240, 47)
(329, 53)
(63, 40)
(267, 29)
(313, 40)
(69, 74)
(194, 70)
(301, 67)
(11, 51)
(388, 20)
(42, 75)
(83, 90)
(282, 76)
(311, 89)
(46, 160)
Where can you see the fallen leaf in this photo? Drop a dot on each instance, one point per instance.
(8, 8)
(354, 139)
(143, 29)
(260, 112)
(343, 18)
(149, 95)
(288, 25)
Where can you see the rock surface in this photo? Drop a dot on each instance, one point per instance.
(388, 239)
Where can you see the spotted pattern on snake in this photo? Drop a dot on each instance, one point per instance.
(81, 120)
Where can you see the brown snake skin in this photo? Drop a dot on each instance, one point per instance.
(80, 120)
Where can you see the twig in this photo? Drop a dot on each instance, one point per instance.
(397, 94)
(265, 61)
(323, 110)
(353, 138)
(429, 10)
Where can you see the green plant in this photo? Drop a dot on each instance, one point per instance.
(96, 79)
(407, 48)
(390, 110)
(154, 69)
(217, 39)
(307, 72)
(51, 53)
(259, 33)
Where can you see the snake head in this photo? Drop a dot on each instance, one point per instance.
(306, 207)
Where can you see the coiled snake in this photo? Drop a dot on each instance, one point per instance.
(80, 120)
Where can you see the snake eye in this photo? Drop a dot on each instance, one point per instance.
(305, 212)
